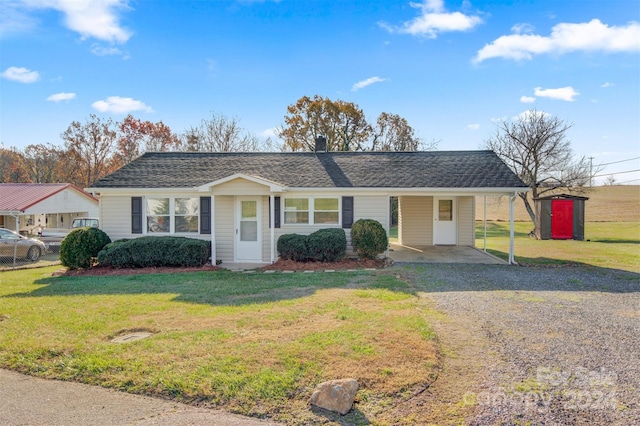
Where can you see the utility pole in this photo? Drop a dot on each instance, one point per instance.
(590, 171)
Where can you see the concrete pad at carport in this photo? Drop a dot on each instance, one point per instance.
(29, 400)
(441, 254)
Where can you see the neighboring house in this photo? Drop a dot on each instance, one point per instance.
(243, 202)
(30, 207)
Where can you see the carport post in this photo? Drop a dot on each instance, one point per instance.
(485, 224)
(512, 199)
(272, 225)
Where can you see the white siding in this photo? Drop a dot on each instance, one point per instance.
(67, 201)
(415, 220)
(240, 187)
(115, 217)
(466, 221)
(225, 227)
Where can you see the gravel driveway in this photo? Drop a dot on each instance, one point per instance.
(554, 346)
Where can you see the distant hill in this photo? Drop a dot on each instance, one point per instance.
(619, 203)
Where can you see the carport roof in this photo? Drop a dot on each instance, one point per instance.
(434, 169)
(18, 197)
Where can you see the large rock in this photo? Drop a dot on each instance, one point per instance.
(335, 395)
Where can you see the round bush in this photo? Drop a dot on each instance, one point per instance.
(369, 239)
(327, 245)
(80, 248)
(294, 247)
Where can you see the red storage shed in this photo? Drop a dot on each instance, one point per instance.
(561, 217)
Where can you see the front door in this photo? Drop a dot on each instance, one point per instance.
(248, 230)
(561, 219)
(444, 221)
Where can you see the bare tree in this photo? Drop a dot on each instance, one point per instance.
(393, 133)
(43, 162)
(219, 134)
(537, 150)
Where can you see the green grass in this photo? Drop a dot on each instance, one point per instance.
(256, 344)
(607, 245)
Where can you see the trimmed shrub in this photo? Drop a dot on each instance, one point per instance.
(294, 247)
(327, 245)
(156, 251)
(369, 239)
(80, 248)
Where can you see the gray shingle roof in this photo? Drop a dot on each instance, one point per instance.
(434, 169)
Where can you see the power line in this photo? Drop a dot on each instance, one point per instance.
(618, 173)
(616, 162)
(627, 181)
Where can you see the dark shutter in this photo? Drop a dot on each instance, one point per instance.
(205, 215)
(347, 212)
(136, 215)
(276, 212)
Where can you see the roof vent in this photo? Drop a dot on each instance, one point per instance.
(321, 144)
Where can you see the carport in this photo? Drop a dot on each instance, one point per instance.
(441, 254)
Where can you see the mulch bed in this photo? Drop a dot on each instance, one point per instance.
(280, 265)
(292, 265)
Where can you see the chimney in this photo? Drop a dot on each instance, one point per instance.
(321, 144)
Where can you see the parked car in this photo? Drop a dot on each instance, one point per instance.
(13, 243)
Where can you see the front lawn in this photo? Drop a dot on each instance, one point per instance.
(607, 245)
(255, 344)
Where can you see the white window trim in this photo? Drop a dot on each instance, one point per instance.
(311, 211)
(172, 216)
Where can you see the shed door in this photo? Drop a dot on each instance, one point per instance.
(444, 221)
(561, 219)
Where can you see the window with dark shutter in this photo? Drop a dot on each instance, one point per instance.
(276, 212)
(347, 212)
(136, 215)
(205, 215)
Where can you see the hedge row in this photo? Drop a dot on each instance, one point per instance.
(155, 251)
(324, 245)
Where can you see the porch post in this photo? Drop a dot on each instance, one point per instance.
(485, 224)
(512, 199)
(213, 230)
(272, 224)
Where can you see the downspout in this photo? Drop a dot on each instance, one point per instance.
(272, 224)
(512, 199)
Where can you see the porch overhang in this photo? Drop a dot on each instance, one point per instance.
(273, 186)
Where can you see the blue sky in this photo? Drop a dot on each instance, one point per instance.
(451, 68)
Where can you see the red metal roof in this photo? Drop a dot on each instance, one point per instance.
(20, 196)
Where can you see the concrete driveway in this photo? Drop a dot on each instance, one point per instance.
(27, 400)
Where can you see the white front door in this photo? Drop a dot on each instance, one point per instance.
(248, 230)
(444, 221)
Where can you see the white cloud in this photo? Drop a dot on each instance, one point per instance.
(522, 28)
(527, 99)
(61, 97)
(563, 93)
(120, 105)
(606, 84)
(91, 19)
(473, 126)
(434, 19)
(269, 133)
(564, 38)
(105, 51)
(13, 18)
(21, 75)
(364, 83)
